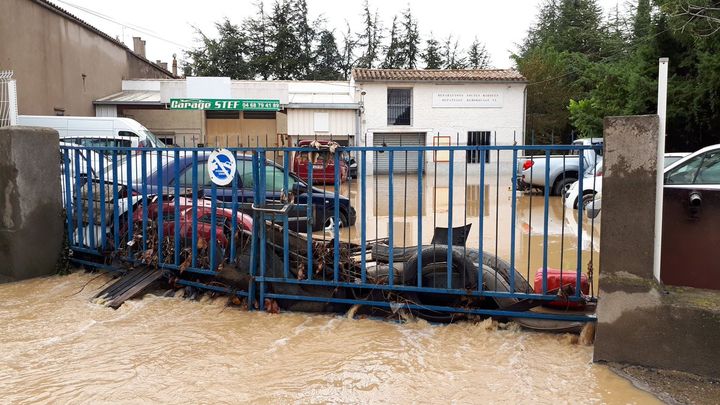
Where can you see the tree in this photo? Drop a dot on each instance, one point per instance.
(348, 49)
(327, 63)
(285, 45)
(478, 57)
(369, 38)
(305, 35)
(432, 56)
(394, 58)
(227, 56)
(642, 24)
(410, 40)
(451, 55)
(257, 33)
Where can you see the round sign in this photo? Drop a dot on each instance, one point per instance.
(222, 167)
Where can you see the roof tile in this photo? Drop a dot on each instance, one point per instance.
(504, 75)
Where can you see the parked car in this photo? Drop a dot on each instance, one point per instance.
(223, 220)
(96, 131)
(592, 183)
(322, 161)
(563, 169)
(322, 202)
(691, 215)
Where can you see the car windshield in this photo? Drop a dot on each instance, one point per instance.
(153, 139)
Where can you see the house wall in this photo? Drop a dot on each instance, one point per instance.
(505, 121)
(60, 64)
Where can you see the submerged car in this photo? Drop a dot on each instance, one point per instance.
(322, 203)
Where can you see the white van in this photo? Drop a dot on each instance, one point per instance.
(96, 131)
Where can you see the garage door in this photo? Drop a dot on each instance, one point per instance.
(403, 162)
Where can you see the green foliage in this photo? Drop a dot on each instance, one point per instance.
(393, 53)
(478, 57)
(582, 69)
(432, 54)
(327, 63)
(283, 43)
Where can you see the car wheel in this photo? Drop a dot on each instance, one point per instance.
(587, 199)
(328, 222)
(562, 186)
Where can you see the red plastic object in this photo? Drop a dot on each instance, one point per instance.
(528, 164)
(568, 282)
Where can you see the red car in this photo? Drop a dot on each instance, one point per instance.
(223, 220)
(322, 161)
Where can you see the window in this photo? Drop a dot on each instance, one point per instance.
(709, 172)
(259, 115)
(222, 115)
(702, 169)
(399, 106)
(478, 138)
(274, 177)
(203, 178)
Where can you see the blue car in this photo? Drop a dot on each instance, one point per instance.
(322, 202)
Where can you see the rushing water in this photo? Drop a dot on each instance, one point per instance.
(58, 347)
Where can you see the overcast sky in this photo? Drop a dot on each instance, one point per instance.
(499, 24)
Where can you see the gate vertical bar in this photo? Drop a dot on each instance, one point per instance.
(451, 173)
(90, 198)
(143, 179)
(286, 237)
(481, 218)
(336, 215)
(103, 229)
(116, 214)
(421, 161)
(363, 210)
(78, 200)
(68, 196)
(391, 243)
(260, 186)
(310, 221)
(160, 210)
(176, 220)
(545, 220)
(513, 213)
(581, 174)
(194, 209)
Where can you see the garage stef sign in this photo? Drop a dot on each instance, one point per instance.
(479, 99)
(223, 104)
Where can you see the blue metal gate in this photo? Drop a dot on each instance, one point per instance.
(273, 238)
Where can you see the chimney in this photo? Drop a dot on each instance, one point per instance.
(174, 66)
(139, 46)
(163, 65)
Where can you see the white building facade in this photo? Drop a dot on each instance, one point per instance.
(438, 107)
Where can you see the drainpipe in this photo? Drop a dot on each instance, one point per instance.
(659, 180)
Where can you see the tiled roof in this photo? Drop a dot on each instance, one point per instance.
(61, 11)
(451, 75)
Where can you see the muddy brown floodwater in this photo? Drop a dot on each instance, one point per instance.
(58, 347)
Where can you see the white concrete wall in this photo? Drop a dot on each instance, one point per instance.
(505, 121)
(301, 121)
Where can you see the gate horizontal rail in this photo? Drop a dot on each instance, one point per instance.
(128, 207)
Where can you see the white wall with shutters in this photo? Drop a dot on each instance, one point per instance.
(403, 162)
(301, 121)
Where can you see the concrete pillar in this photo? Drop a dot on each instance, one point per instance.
(31, 221)
(640, 321)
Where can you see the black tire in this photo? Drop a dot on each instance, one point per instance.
(561, 184)
(586, 199)
(434, 274)
(327, 215)
(381, 254)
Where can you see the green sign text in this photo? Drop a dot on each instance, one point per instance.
(223, 104)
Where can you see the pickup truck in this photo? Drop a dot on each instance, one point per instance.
(563, 169)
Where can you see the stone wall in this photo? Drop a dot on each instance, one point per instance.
(31, 221)
(639, 320)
